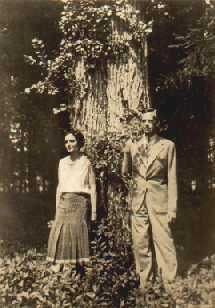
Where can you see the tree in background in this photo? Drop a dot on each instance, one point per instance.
(83, 40)
(191, 88)
(100, 69)
(79, 64)
(27, 134)
(82, 62)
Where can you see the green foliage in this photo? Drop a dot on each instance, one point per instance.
(88, 33)
(199, 45)
(26, 126)
(109, 281)
(25, 278)
(197, 49)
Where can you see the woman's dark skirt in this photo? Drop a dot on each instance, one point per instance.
(68, 239)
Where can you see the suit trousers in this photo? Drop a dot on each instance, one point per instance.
(151, 228)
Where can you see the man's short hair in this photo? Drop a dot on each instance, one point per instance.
(153, 111)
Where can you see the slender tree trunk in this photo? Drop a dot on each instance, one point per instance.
(211, 135)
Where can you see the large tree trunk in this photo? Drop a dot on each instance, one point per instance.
(113, 82)
(116, 86)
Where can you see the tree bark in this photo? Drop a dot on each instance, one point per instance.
(113, 83)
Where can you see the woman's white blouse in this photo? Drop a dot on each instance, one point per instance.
(75, 176)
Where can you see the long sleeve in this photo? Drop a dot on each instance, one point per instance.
(58, 191)
(93, 194)
(172, 180)
(126, 163)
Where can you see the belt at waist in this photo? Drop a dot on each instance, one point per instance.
(70, 195)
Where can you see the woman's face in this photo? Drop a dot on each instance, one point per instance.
(135, 126)
(71, 144)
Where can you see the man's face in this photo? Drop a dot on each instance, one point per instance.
(71, 143)
(149, 123)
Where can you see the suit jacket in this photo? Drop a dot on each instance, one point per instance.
(154, 175)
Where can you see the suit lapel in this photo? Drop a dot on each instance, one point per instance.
(154, 151)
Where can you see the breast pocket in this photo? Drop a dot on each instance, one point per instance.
(162, 159)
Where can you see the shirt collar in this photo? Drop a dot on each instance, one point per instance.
(153, 139)
(150, 141)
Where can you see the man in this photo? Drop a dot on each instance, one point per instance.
(151, 161)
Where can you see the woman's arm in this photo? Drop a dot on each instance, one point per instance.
(58, 191)
(126, 163)
(93, 194)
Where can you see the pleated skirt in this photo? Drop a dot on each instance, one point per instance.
(68, 239)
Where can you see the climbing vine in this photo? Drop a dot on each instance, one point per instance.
(88, 34)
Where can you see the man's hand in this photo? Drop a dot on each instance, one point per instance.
(171, 217)
(50, 223)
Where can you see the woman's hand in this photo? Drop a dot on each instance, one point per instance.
(93, 216)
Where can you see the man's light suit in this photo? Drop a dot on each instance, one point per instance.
(153, 196)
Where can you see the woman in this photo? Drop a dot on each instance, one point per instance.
(68, 240)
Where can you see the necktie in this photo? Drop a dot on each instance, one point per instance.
(146, 146)
(146, 142)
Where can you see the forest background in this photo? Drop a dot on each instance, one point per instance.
(46, 86)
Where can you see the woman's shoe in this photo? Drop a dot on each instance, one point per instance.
(56, 268)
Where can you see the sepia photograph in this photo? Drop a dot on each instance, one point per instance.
(107, 153)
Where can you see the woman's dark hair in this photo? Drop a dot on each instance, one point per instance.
(78, 136)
